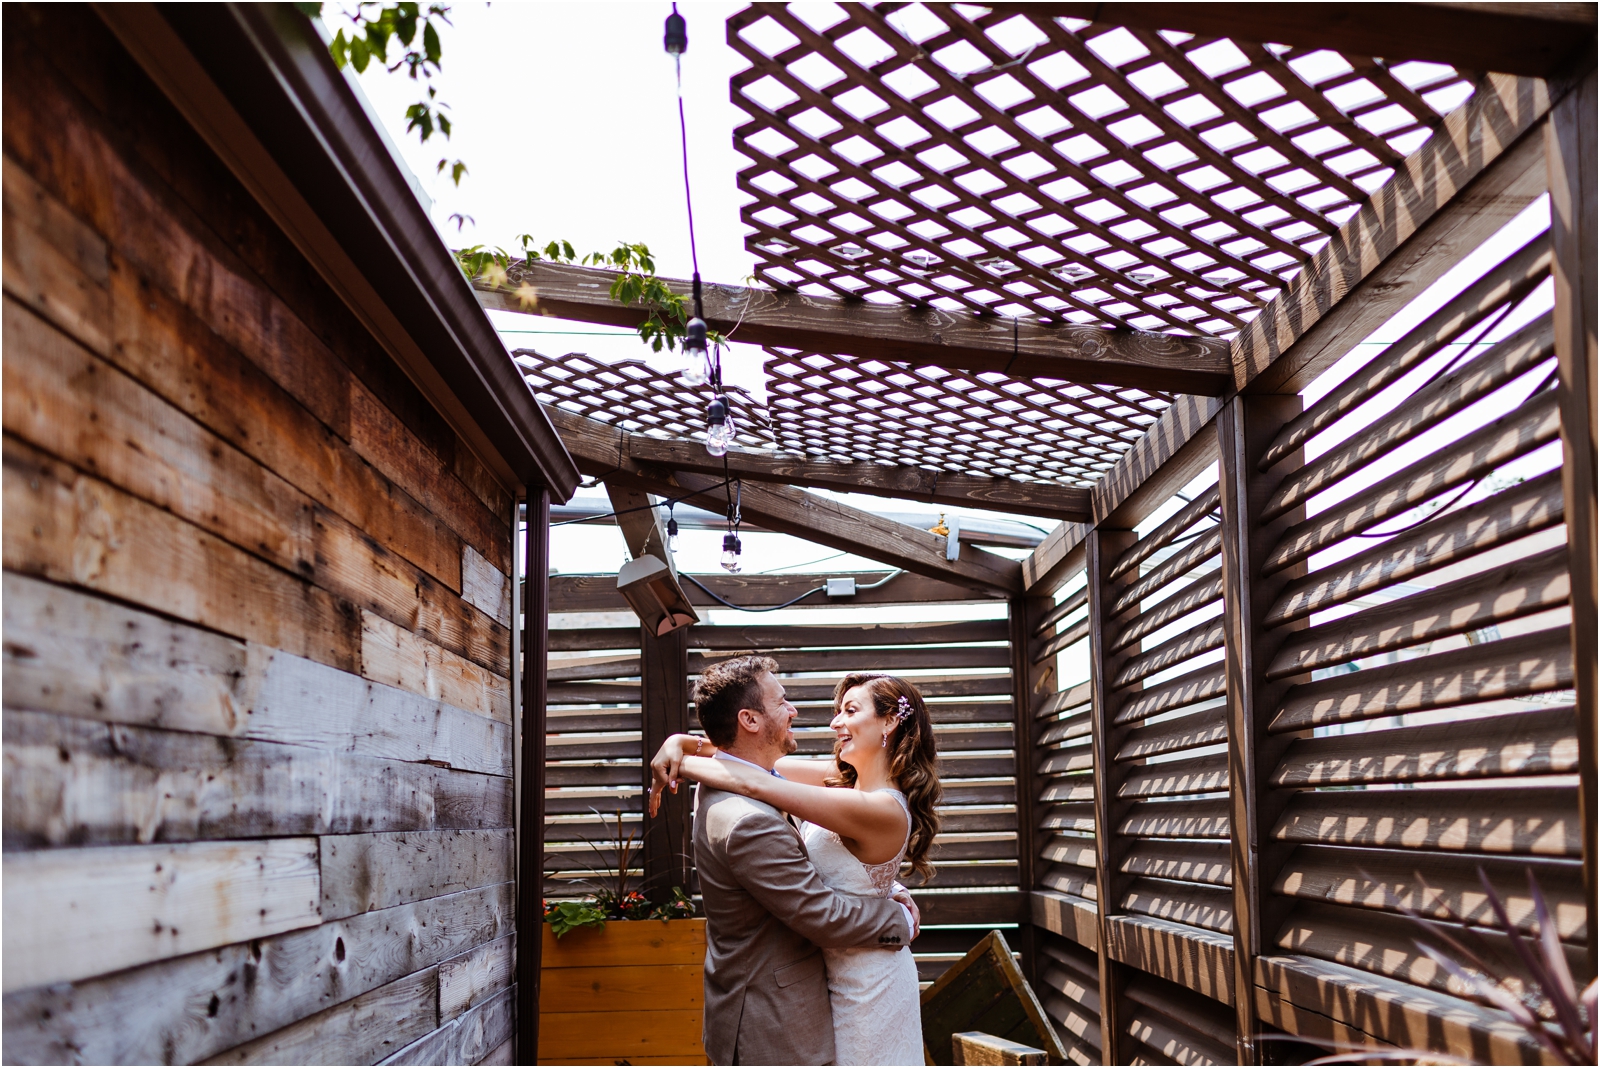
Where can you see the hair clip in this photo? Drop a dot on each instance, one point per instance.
(902, 709)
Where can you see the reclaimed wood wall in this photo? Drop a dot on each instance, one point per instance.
(258, 801)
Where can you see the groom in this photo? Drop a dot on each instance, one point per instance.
(767, 910)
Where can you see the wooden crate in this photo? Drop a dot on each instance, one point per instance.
(632, 991)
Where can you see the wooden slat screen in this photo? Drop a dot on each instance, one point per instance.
(593, 756)
(1420, 718)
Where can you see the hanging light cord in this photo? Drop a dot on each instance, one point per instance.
(709, 592)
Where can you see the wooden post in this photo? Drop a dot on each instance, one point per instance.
(664, 689)
(1026, 680)
(1102, 549)
(1246, 428)
(530, 866)
(1570, 145)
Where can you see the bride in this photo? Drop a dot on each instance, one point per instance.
(868, 809)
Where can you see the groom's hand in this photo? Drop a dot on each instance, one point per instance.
(902, 895)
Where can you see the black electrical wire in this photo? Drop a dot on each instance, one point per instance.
(709, 592)
(640, 508)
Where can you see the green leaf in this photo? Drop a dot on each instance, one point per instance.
(430, 43)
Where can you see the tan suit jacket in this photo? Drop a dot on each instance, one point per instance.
(767, 912)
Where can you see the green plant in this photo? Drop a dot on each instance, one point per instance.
(612, 900)
(666, 312)
(373, 26)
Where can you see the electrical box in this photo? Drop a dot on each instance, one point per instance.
(841, 587)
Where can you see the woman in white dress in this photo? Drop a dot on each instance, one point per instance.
(867, 810)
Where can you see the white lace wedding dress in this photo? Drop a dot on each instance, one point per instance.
(877, 1009)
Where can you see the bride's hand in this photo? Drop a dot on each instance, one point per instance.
(666, 767)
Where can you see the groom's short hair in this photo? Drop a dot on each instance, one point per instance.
(725, 688)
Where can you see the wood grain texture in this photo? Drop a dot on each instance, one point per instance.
(364, 1030)
(600, 446)
(193, 1007)
(65, 401)
(169, 246)
(364, 872)
(74, 782)
(70, 528)
(135, 668)
(919, 336)
(485, 586)
(474, 977)
(403, 659)
(471, 1038)
(73, 913)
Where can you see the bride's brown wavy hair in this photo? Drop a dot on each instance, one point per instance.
(913, 758)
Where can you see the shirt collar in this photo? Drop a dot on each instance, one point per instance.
(723, 755)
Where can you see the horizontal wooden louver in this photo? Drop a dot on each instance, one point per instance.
(1427, 660)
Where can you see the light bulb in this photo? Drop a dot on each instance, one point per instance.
(730, 553)
(672, 534)
(718, 432)
(694, 372)
(694, 351)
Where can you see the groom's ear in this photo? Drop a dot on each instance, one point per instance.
(750, 720)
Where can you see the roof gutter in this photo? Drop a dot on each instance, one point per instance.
(258, 84)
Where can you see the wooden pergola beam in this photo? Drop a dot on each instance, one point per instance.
(1042, 499)
(804, 515)
(1536, 40)
(838, 526)
(922, 336)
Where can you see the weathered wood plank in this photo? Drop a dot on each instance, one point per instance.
(917, 335)
(468, 1039)
(70, 528)
(72, 405)
(364, 1030)
(396, 656)
(476, 976)
(75, 782)
(485, 586)
(156, 335)
(54, 263)
(135, 668)
(1069, 917)
(190, 1008)
(662, 986)
(74, 913)
(364, 872)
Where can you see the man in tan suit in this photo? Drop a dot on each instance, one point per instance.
(767, 910)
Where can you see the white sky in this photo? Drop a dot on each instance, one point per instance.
(566, 115)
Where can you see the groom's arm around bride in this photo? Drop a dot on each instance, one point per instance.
(767, 913)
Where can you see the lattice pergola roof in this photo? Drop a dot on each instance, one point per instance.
(831, 409)
(1023, 165)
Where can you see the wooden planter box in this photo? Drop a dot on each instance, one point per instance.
(632, 991)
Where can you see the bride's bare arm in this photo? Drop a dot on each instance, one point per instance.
(874, 822)
(813, 771)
